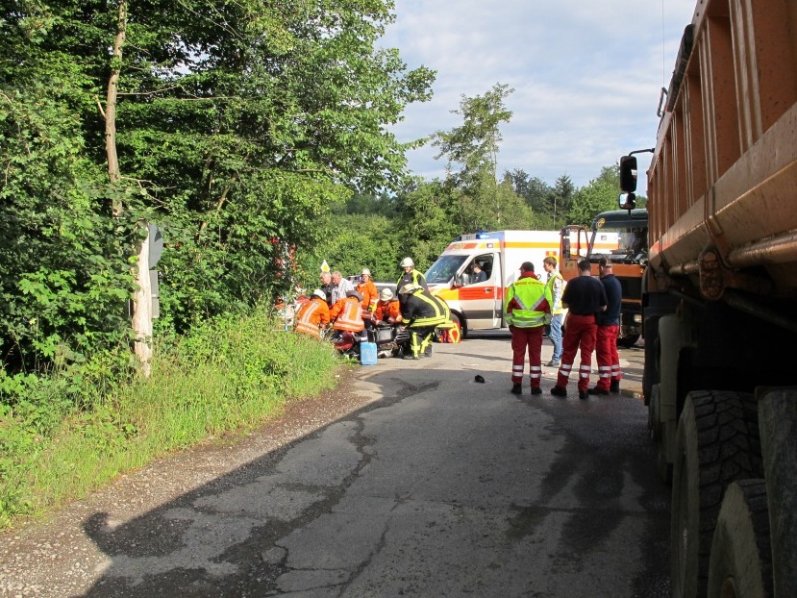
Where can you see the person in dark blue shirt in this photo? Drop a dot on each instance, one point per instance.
(584, 297)
(609, 372)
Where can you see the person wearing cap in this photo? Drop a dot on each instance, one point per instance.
(340, 287)
(422, 313)
(388, 310)
(346, 314)
(609, 372)
(368, 290)
(527, 308)
(409, 276)
(313, 315)
(585, 297)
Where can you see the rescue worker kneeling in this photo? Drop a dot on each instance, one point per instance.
(313, 316)
(422, 313)
(347, 314)
(388, 310)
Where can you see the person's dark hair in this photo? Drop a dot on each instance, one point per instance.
(527, 267)
(584, 266)
(604, 261)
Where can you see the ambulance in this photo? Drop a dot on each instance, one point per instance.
(474, 271)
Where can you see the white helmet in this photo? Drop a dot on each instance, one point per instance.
(366, 272)
(320, 294)
(407, 263)
(385, 294)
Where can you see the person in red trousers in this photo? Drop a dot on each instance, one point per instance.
(609, 372)
(527, 308)
(584, 297)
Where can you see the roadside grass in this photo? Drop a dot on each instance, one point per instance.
(228, 377)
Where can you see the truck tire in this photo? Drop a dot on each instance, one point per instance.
(717, 443)
(656, 433)
(741, 556)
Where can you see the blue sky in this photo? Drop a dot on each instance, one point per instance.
(586, 76)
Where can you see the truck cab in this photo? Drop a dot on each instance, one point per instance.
(621, 236)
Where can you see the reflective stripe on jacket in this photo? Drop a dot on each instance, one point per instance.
(347, 315)
(527, 301)
(312, 316)
(422, 310)
(413, 277)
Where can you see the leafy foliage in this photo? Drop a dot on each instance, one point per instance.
(599, 195)
(238, 127)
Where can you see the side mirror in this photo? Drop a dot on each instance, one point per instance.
(626, 201)
(628, 174)
(459, 281)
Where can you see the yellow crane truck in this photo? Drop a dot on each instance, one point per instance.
(720, 300)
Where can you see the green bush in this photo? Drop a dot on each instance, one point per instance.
(67, 434)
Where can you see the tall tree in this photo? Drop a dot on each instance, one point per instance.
(560, 199)
(237, 126)
(597, 196)
(474, 147)
(537, 194)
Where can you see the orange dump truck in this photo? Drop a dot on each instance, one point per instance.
(720, 300)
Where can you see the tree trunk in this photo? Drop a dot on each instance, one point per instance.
(142, 297)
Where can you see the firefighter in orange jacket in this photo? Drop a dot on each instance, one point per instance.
(313, 315)
(388, 309)
(368, 290)
(347, 314)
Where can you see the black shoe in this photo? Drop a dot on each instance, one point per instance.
(615, 386)
(517, 389)
(598, 391)
(536, 390)
(558, 391)
(583, 394)
(553, 363)
(411, 357)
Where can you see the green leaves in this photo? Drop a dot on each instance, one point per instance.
(238, 127)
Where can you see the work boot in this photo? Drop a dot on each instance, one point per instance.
(536, 390)
(558, 391)
(583, 394)
(411, 357)
(615, 386)
(596, 390)
(517, 389)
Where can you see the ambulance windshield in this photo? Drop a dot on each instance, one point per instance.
(444, 269)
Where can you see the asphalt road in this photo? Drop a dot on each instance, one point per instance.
(437, 486)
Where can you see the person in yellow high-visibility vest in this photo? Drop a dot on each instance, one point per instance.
(527, 308)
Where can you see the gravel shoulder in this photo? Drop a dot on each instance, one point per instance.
(56, 556)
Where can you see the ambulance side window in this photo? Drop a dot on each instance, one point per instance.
(480, 269)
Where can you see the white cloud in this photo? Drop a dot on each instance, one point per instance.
(586, 75)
